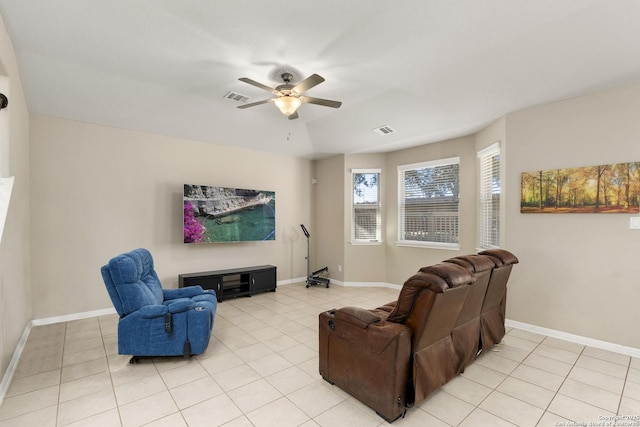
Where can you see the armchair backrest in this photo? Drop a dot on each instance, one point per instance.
(132, 282)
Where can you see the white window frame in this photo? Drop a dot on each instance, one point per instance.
(433, 244)
(6, 186)
(489, 220)
(378, 208)
(6, 181)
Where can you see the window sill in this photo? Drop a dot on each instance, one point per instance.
(429, 245)
(365, 243)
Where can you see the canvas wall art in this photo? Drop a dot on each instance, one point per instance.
(613, 188)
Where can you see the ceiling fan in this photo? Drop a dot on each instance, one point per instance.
(289, 97)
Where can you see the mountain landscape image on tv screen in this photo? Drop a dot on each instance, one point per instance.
(224, 214)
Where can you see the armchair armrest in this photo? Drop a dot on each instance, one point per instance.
(180, 305)
(186, 292)
(151, 311)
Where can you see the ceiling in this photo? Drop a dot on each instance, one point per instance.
(429, 69)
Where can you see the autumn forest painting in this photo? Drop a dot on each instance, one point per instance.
(611, 188)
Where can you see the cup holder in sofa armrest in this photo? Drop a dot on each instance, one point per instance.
(357, 316)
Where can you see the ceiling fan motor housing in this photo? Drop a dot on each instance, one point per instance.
(288, 96)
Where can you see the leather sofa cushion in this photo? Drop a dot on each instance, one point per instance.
(503, 257)
(473, 263)
(437, 278)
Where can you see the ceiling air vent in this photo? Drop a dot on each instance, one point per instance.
(383, 130)
(234, 96)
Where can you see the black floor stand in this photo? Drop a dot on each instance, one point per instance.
(318, 277)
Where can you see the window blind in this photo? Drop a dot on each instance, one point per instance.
(428, 202)
(366, 211)
(489, 208)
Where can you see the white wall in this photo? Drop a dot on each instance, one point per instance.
(15, 285)
(578, 273)
(98, 191)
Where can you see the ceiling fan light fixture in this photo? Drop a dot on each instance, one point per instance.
(287, 104)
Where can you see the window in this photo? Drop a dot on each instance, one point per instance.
(6, 182)
(489, 209)
(6, 185)
(428, 198)
(365, 217)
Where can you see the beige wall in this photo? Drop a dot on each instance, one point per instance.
(402, 262)
(495, 132)
(97, 191)
(578, 273)
(364, 263)
(328, 235)
(388, 263)
(15, 284)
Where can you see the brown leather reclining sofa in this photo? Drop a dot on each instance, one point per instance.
(396, 355)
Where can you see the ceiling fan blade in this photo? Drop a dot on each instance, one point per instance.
(257, 84)
(253, 104)
(308, 83)
(320, 101)
(293, 116)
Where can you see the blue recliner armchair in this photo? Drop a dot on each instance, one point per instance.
(155, 321)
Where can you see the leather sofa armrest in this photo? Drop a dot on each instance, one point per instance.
(362, 328)
(356, 316)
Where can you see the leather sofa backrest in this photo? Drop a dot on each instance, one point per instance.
(503, 262)
(481, 267)
(437, 278)
(430, 302)
(493, 313)
(435, 315)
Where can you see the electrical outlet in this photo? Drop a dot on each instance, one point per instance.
(339, 268)
(634, 222)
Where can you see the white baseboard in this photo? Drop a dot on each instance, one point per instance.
(366, 284)
(345, 284)
(291, 281)
(13, 364)
(75, 316)
(603, 345)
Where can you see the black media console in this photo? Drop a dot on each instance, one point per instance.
(234, 282)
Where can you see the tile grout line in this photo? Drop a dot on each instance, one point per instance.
(494, 349)
(113, 386)
(624, 386)
(557, 392)
(64, 344)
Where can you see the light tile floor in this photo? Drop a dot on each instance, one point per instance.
(261, 369)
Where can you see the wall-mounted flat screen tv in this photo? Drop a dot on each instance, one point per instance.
(224, 214)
